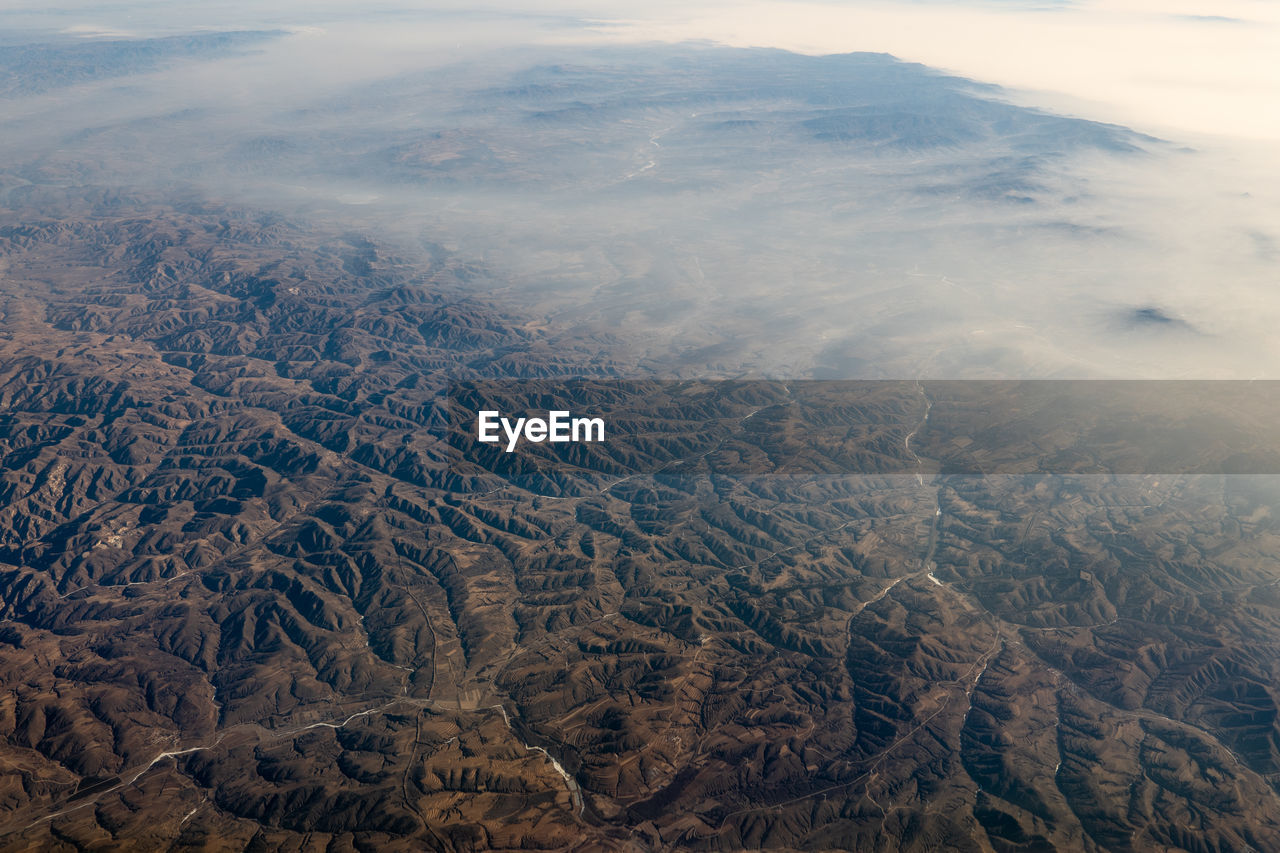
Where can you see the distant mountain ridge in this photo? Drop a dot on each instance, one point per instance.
(39, 67)
(852, 97)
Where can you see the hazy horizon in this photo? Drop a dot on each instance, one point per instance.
(955, 252)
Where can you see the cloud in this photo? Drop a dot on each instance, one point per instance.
(729, 210)
(94, 31)
(1166, 68)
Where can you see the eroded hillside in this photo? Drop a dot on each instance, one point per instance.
(250, 600)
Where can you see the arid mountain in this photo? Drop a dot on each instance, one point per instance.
(253, 599)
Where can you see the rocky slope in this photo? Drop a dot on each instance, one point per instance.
(252, 598)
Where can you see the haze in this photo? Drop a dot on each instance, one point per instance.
(676, 181)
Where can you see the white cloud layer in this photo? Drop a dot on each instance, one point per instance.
(1164, 67)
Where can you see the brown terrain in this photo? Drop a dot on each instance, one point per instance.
(252, 597)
